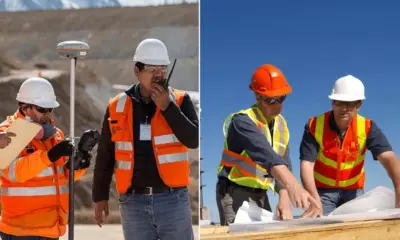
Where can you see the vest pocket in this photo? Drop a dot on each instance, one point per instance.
(117, 127)
(173, 165)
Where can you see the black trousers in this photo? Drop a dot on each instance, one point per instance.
(231, 196)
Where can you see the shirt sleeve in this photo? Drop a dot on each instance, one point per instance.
(184, 122)
(377, 142)
(287, 159)
(309, 146)
(243, 134)
(105, 161)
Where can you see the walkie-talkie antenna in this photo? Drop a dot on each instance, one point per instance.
(170, 73)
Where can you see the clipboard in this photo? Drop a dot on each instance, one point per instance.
(25, 131)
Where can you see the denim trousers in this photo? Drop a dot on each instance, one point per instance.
(163, 216)
(333, 198)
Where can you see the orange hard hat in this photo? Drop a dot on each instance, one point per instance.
(268, 80)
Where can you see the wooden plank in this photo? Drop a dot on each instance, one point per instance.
(379, 229)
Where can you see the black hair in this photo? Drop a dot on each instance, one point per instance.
(140, 66)
(21, 106)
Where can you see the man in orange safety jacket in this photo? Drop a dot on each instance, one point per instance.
(333, 149)
(34, 191)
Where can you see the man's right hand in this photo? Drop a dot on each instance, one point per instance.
(299, 197)
(5, 139)
(101, 206)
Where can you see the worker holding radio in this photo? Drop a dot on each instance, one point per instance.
(146, 133)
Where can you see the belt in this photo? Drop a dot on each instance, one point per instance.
(152, 190)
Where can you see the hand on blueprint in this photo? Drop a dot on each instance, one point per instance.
(299, 197)
(284, 209)
(5, 139)
(315, 210)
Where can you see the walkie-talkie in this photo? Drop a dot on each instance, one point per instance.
(165, 82)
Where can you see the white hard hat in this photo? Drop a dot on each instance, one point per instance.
(37, 91)
(151, 51)
(348, 89)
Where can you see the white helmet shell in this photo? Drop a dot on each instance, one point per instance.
(348, 89)
(152, 51)
(37, 91)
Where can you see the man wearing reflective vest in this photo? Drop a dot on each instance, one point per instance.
(34, 191)
(334, 145)
(146, 133)
(256, 149)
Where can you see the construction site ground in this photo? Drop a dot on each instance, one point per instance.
(108, 231)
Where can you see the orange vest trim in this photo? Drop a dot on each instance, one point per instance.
(34, 191)
(171, 155)
(340, 166)
(244, 165)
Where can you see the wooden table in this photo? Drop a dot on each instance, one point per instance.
(365, 230)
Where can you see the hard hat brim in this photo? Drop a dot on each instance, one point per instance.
(51, 104)
(345, 98)
(152, 61)
(277, 93)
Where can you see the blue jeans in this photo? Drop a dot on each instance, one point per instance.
(5, 236)
(164, 216)
(333, 198)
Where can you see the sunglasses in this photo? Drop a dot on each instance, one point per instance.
(346, 104)
(43, 110)
(153, 69)
(271, 101)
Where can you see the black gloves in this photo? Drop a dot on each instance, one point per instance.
(82, 156)
(61, 149)
(81, 160)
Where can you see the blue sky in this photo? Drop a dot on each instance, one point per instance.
(313, 43)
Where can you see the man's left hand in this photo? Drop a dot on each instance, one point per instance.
(160, 96)
(284, 209)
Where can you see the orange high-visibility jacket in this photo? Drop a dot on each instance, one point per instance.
(171, 155)
(340, 166)
(34, 191)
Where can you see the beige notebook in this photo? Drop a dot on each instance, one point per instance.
(25, 131)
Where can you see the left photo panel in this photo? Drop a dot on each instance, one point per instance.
(99, 119)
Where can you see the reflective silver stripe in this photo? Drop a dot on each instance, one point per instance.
(124, 165)
(49, 171)
(170, 138)
(64, 189)
(33, 191)
(127, 146)
(281, 140)
(11, 171)
(244, 165)
(121, 102)
(174, 157)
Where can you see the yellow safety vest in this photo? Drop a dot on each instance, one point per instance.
(244, 171)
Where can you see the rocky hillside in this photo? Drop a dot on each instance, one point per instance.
(27, 44)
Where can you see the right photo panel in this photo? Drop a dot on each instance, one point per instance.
(299, 139)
